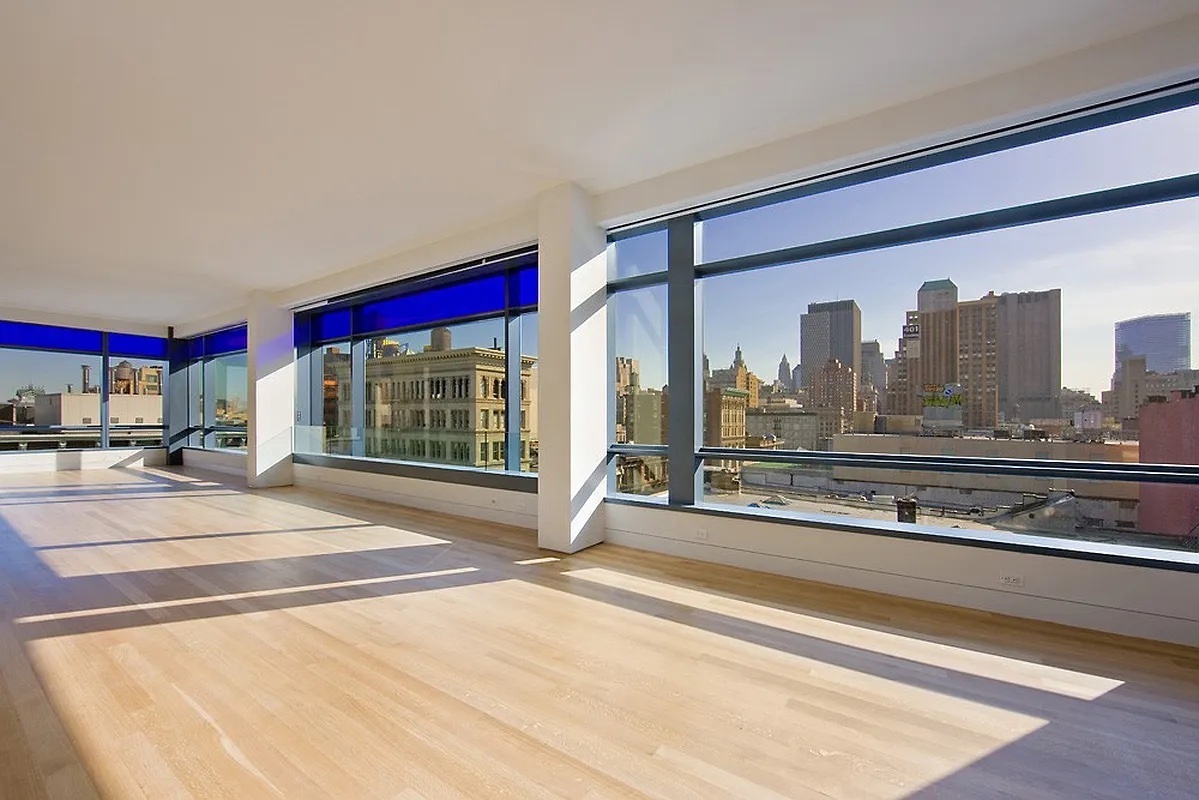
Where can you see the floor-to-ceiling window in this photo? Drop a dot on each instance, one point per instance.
(218, 390)
(438, 370)
(70, 388)
(994, 340)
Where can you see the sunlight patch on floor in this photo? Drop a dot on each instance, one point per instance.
(121, 558)
(233, 596)
(972, 662)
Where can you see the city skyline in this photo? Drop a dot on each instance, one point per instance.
(1110, 266)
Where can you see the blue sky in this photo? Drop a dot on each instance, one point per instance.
(1109, 266)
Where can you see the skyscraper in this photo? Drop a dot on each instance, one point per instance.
(1030, 354)
(830, 331)
(1163, 339)
(874, 369)
(978, 361)
(1004, 350)
(834, 389)
(935, 362)
(785, 373)
(938, 295)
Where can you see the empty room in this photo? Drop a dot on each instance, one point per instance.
(536, 399)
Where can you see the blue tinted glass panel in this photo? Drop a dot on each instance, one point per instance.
(484, 295)
(522, 287)
(331, 326)
(230, 340)
(132, 345)
(195, 348)
(48, 337)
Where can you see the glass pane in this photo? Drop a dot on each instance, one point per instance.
(49, 401)
(229, 440)
(638, 255)
(195, 401)
(474, 296)
(229, 340)
(529, 381)
(1152, 148)
(133, 346)
(642, 475)
(227, 377)
(331, 400)
(1114, 512)
(523, 286)
(438, 396)
(639, 323)
(49, 337)
(331, 325)
(1023, 341)
(135, 402)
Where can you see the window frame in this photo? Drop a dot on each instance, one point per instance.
(201, 351)
(517, 270)
(107, 345)
(685, 453)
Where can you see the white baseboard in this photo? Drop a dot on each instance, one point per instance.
(228, 462)
(66, 460)
(490, 505)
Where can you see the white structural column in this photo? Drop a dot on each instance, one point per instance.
(271, 378)
(572, 347)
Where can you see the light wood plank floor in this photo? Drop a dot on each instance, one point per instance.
(165, 634)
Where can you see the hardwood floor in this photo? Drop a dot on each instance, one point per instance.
(165, 635)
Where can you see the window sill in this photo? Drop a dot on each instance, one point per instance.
(443, 473)
(1150, 557)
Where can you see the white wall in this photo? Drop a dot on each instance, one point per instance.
(490, 505)
(62, 460)
(1136, 601)
(230, 462)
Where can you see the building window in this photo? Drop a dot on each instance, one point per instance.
(1047, 348)
(424, 347)
(217, 388)
(52, 385)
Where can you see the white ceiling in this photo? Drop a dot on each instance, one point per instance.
(160, 159)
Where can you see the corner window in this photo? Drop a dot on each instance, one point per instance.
(875, 347)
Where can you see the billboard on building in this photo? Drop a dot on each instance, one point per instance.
(942, 407)
(911, 337)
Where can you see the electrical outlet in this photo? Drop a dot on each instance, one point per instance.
(701, 534)
(1012, 581)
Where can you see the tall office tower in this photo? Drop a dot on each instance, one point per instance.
(1163, 339)
(928, 348)
(978, 361)
(1030, 355)
(874, 368)
(937, 330)
(830, 331)
(785, 374)
(900, 397)
(834, 386)
(940, 295)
